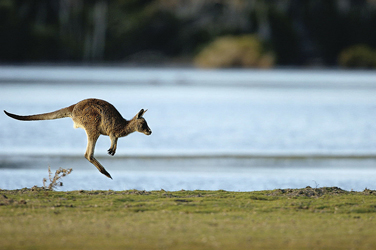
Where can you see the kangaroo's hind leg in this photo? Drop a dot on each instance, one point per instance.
(89, 155)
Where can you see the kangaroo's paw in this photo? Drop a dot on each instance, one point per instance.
(111, 151)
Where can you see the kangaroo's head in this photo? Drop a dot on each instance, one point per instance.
(141, 124)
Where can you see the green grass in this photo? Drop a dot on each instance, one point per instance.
(321, 218)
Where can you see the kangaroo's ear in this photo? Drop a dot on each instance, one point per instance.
(141, 113)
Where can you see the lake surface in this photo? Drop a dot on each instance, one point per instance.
(235, 130)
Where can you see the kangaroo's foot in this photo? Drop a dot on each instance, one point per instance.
(99, 167)
(103, 171)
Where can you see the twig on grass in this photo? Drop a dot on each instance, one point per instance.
(55, 180)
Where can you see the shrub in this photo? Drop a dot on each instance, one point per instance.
(55, 180)
(235, 51)
(358, 56)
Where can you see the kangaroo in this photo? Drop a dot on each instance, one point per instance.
(96, 117)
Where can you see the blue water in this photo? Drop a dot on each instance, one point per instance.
(212, 129)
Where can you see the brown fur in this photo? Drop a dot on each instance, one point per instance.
(96, 117)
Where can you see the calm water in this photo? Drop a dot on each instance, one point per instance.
(229, 129)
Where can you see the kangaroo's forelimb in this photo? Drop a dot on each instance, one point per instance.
(112, 149)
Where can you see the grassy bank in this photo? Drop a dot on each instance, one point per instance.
(309, 218)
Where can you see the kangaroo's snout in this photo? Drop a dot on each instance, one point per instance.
(147, 131)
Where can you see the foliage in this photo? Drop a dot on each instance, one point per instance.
(120, 30)
(358, 56)
(144, 29)
(284, 38)
(243, 51)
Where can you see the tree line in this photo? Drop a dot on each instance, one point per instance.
(298, 32)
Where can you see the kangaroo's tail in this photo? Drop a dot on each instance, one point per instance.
(61, 113)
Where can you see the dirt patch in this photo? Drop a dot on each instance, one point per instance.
(4, 200)
(308, 192)
(369, 192)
